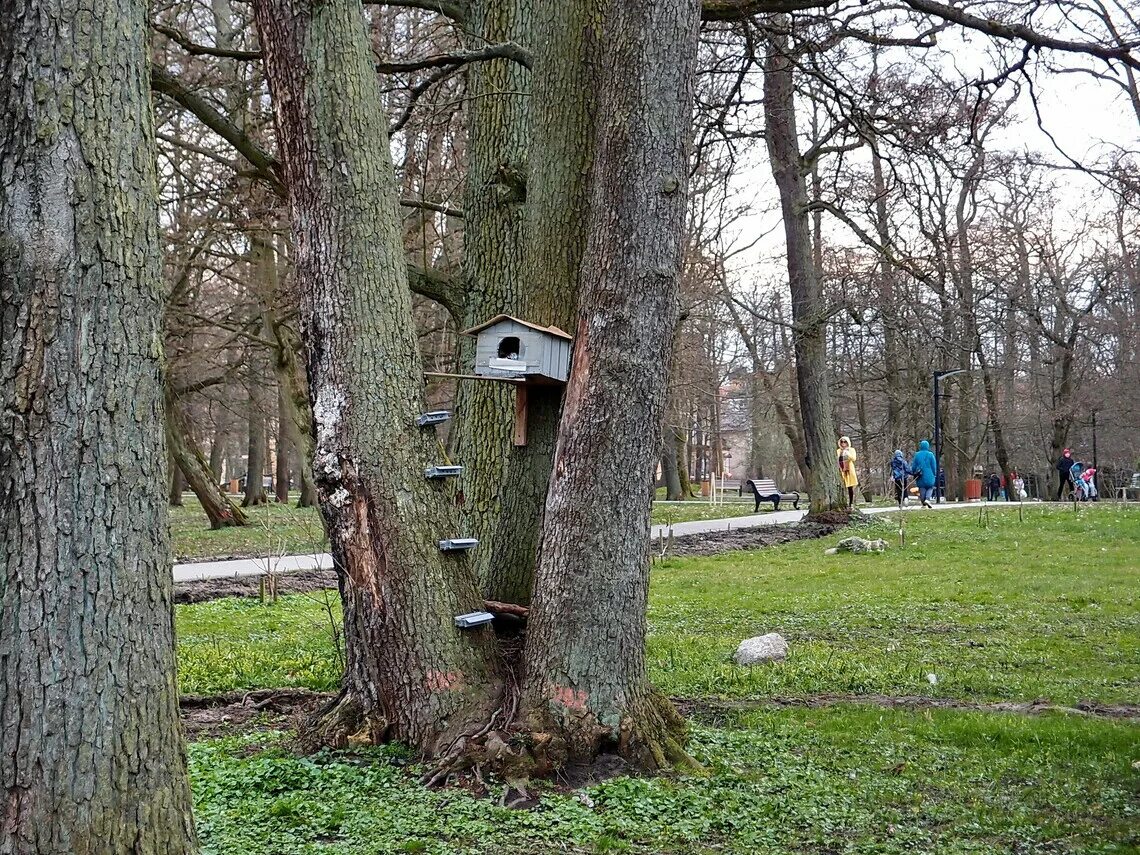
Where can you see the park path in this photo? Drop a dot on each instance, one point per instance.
(199, 571)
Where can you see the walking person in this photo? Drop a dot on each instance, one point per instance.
(847, 476)
(924, 468)
(993, 488)
(899, 471)
(1064, 466)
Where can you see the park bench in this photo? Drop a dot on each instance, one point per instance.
(765, 490)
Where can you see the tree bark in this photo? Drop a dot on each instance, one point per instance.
(561, 120)
(494, 243)
(285, 448)
(411, 675)
(585, 683)
(255, 446)
(91, 755)
(290, 374)
(177, 483)
(808, 312)
(218, 446)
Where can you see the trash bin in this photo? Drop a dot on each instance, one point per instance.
(705, 489)
(973, 489)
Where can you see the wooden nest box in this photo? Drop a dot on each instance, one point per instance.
(509, 348)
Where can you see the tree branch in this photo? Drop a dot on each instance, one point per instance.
(457, 11)
(432, 206)
(183, 41)
(1020, 32)
(505, 50)
(266, 166)
(738, 10)
(445, 289)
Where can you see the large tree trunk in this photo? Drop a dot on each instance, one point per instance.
(585, 681)
(561, 113)
(91, 756)
(411, 674)
(494, 237)
(808, 312)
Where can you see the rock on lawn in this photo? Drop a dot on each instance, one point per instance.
(762, 648)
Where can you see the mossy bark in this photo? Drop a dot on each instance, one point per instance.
(91, 752)
(411, 675)
(585, 689)
(494, 240)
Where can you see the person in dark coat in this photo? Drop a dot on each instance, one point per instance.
(1064, 465)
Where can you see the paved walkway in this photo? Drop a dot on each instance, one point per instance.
(203, 570)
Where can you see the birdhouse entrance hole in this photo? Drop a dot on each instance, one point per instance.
(510, 347)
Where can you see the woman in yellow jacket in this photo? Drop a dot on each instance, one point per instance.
(847, 476)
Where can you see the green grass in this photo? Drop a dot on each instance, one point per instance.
(274, 529)
(1048, 607)
(849, 780)
(695, 509)
(1045, 608)
(284, 529)
(230, 644)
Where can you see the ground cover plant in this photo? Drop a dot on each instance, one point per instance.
(1017, 611)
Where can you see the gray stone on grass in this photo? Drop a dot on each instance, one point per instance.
(761, 648)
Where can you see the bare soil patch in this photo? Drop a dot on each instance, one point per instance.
(250, 586)
(754, 537)
(208, 717)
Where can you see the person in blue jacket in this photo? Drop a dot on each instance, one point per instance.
(924, 469)
(899, 471)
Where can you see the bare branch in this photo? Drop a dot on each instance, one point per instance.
(1020, 32)
(505, 50)
(432, 206)
(445, 289)
(184, 41)
(739, 10)
(457, 11)
(266, 166)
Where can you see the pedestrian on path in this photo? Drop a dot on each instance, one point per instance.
(899, 471)
(1064, 466)
(847, 476)
(924, 468)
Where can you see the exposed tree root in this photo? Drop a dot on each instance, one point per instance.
(340, 723)
(519, 747)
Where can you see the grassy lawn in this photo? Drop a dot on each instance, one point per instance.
(274, 529)
(1045, 608)
(278, 529)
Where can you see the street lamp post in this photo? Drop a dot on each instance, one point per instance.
(938, 375)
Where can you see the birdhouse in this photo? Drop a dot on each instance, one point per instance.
(508, 348)
(511, 348)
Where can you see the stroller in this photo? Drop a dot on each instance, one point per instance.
(1083, 489)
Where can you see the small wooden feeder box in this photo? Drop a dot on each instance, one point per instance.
(509, 348)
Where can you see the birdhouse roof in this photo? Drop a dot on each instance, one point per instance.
(551, 330)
